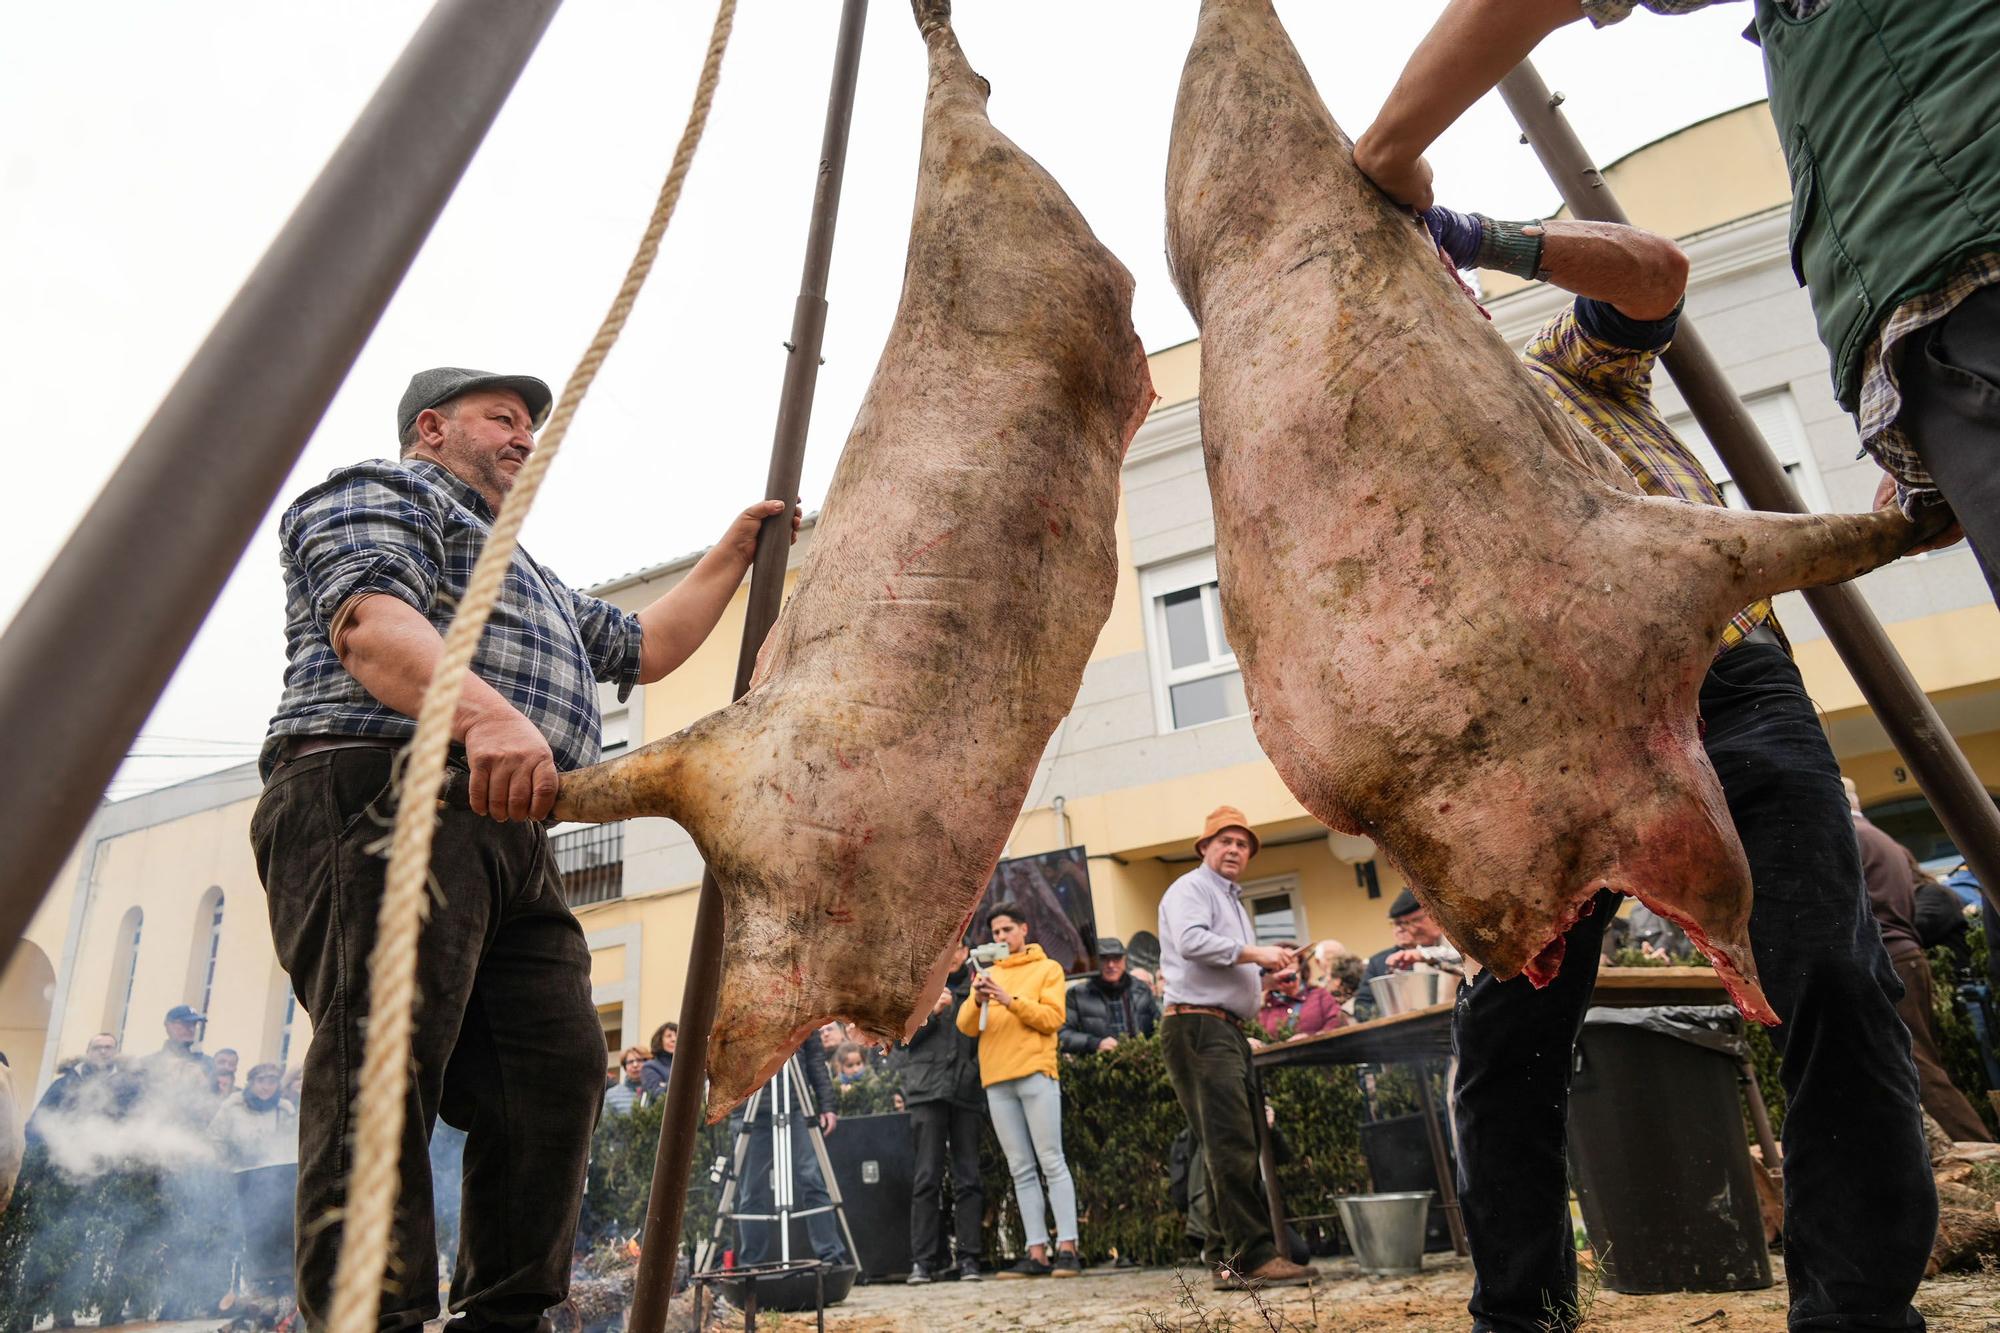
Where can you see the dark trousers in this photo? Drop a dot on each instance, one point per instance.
(1950, 378)
(507, 1045)
(935, 1129)
(1941, 1096)
(1860, 1207)
(1208, 1062)
(755, 1194)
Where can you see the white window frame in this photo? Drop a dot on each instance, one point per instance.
(1776, 414)
(1278, 886)
(1155, 584)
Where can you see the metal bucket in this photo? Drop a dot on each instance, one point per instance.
(1386, 1230)
(1400, 992)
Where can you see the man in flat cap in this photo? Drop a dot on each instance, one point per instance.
(507, 1044)
(1214, 971)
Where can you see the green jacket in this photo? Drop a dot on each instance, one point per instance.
(1889, 113)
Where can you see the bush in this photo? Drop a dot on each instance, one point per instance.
(1119, 1124)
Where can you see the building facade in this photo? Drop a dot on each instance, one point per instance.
(161, 905)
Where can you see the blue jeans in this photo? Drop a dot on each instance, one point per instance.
(1860, 1205)
(1027, 1117)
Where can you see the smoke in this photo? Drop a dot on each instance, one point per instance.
(114, 1123)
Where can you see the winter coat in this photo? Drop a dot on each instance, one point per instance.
(248, 1138)
(1020, 1039)
(654, 1074)
(1097, 1009)
(818, 1082)
(940, 1063)
(1321, 1012)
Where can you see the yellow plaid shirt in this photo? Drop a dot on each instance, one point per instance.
(1608, 390)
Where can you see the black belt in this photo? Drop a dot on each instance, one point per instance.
(298, 747)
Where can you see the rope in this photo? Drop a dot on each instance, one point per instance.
(375, 1179)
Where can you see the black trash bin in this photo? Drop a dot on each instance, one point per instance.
(1658, 1152)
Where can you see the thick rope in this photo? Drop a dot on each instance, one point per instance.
(375, 1179)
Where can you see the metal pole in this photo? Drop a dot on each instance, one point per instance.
(1905, 712)
(85, 660)
(685, 1089)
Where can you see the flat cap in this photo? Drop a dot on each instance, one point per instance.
(1406, 903)
(441, 384)
(1110, 946)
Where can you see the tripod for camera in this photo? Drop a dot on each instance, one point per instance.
(785, 1095)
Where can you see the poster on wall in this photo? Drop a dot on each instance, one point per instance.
(1053, 888)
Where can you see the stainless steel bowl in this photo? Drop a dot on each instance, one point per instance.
(1400, 992)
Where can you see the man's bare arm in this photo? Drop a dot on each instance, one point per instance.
(1640, 274)
(1467, 51)
(389, 647)
(677, 621)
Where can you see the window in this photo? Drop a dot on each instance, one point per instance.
(207, 948)
(1194, 668)
(1275, 914)
(1911, 821)
(124, 970)
(285, 1028)
(616, 731)
(1777, 417)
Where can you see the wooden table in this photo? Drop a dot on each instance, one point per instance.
(1423, 1036)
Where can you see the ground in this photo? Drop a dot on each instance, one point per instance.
(1158, 1300)
(1153, 1300)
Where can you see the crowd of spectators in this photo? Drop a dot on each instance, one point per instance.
(155, 1186)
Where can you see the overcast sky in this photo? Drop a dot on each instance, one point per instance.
(152, 151)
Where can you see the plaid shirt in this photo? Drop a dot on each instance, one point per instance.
(1881, 396)
(413, 531)
(1607, 388)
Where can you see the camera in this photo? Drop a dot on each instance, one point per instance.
(986, 955)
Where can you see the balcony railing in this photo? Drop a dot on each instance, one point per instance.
(592, 863)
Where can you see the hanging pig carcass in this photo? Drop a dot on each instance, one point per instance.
(1462, 631)
(852, 805)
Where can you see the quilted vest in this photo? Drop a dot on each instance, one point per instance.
(1889, 113)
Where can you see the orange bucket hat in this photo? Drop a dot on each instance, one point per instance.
(1222, 817)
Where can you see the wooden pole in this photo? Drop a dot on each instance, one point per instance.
(667, 1204)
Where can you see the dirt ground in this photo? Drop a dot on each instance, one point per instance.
(1150, 1300)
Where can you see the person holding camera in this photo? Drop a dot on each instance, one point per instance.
(1014, 1010)
(941, 1092)
(1215, 972)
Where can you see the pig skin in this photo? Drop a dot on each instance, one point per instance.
(852, 805)
(1462, 630)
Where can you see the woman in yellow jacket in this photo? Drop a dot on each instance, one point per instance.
(1021, 1001)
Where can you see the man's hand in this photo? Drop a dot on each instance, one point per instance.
(989, 989)
(1108, 1044)
(1403, 959)
(741, 538)
(1270, 957)
(513, 772)
(1954, 533)
(943, 1001)
(827, 1120)
(1404, 178)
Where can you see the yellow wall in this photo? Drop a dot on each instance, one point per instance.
(165, 871)
(1952, 650)
(1735, 156)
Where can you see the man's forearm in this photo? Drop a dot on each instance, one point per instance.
(1467, 51)
(1640, 274)
(680, 619)
(393, 651)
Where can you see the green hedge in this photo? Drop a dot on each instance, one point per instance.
(1119, 1123)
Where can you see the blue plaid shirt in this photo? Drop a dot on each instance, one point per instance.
(412, 531)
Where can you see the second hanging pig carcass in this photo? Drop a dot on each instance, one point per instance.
(1462, 630)
(854, 802)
